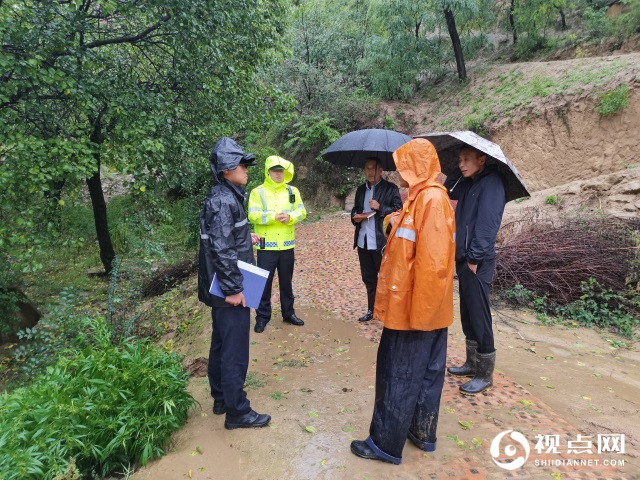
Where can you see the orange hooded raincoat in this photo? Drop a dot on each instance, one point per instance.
(415, 283)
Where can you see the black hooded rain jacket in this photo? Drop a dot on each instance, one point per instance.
(225, 234)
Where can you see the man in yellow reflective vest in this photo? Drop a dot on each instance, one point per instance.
(274, 209)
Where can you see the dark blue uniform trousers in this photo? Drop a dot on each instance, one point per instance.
(229, 357)
(475, 311)
(409, 380)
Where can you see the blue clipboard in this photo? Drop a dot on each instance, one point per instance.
(253, 283)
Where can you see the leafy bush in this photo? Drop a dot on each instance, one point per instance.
(613, 101)
(9, 299)
(310, 131)
(551, 200)
(528, 46)
(628, 23)
(42, 345)
(597, 306)
(602, 307)
(106, 406)
(596, 21)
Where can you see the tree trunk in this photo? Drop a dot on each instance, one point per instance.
(563, 20)
(457, 46)
(512, 22)
(107, 254)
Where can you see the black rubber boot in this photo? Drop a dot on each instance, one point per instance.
(468, 369)
(485, 363)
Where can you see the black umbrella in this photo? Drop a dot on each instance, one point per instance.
(355, 148)
(448, 145)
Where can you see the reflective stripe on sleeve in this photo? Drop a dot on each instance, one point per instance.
(263, 198)
(204, 236)
(241, 223)
(406, 233)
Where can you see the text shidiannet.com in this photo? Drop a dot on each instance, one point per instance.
(517, 451)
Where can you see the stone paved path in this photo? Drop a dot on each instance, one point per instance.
(328, 277)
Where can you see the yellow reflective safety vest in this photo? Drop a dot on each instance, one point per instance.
(270, 199)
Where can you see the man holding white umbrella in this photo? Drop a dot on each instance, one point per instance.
(482, 182)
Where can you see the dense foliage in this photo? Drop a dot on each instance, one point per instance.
(145, 87)
(107, 407)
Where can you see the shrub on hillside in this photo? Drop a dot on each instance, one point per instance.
(613, 101)
(107, 407)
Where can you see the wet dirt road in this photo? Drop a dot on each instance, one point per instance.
(317, 383)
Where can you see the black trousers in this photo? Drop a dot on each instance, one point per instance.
(369, 267)
(229, 357)
(475, 312)
(409, 379)
(283, 261)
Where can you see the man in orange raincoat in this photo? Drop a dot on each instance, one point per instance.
(414, 299)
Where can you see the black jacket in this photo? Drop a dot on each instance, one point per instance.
(225, 234)
(479, 211)
(388, 196)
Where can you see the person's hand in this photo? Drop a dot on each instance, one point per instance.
(473, 268)
(359, 217)
(255, 239)
(374, 204)
(236, 299)
(283, 217)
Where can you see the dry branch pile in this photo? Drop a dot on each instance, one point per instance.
(553, 256)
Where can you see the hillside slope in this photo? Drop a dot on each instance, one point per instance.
(541, 113)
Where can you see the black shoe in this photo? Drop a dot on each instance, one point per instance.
(366, 317)
(218, 407)
(259, 328)
(362, 450)
(468, 368)
(293, 320)
(483, 379)
(252, 419)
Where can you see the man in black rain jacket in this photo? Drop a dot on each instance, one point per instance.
(381, 198)
(480, 192)
(225, 238)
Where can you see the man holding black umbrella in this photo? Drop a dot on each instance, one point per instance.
(375, 199)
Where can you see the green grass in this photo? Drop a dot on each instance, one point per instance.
(254, 381)
(513, 92)
(613, 101)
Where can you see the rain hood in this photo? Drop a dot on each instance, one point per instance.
(415, 283)
(273, 161)
(227, 155)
